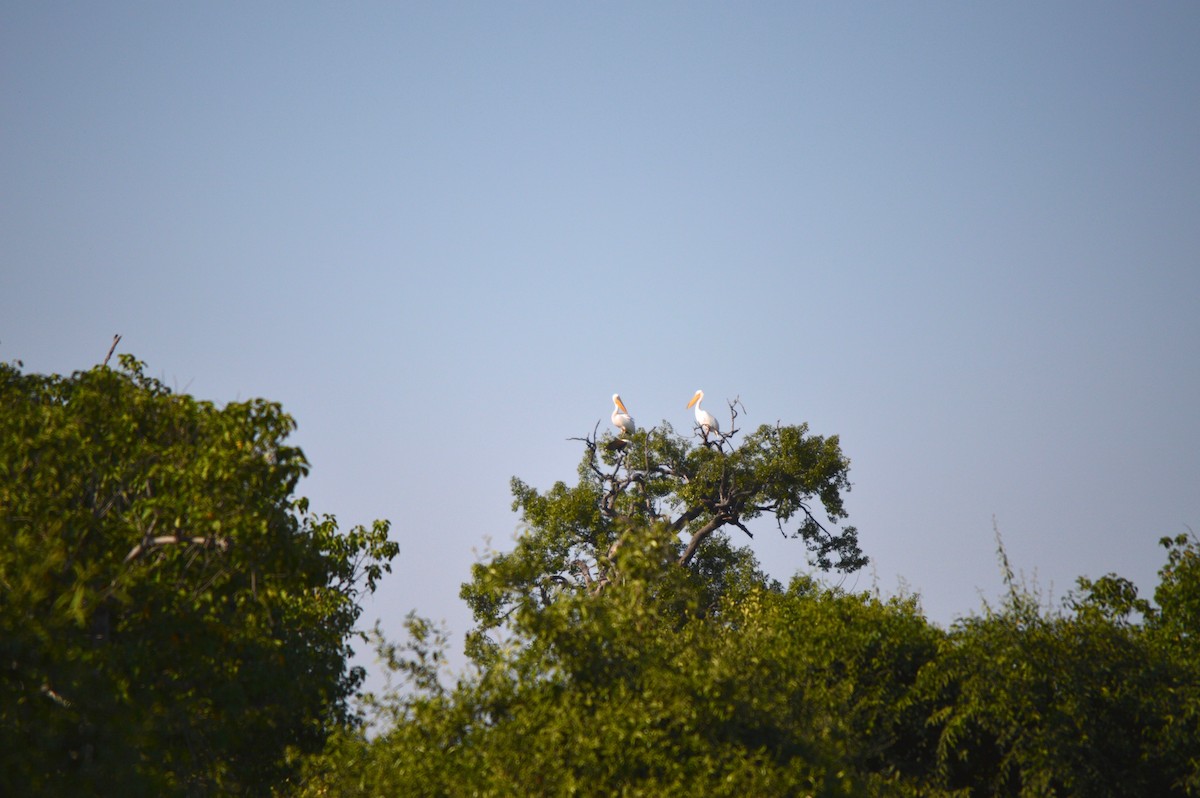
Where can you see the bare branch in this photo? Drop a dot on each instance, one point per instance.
(111, 349)
(166, 540)
(591, 439)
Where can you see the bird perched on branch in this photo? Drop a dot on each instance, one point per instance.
(621, 418)
(704, 418)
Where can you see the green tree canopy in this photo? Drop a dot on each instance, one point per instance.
(1174, 629)
(647, 689)
(1097, 699)
(643, 653)
(696, 488)
(173, 621)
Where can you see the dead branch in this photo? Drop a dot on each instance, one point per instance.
(111, 349)
(590, 440)
(165, 540)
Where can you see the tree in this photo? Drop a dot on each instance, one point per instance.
(1029, 701)
(173, 621)
(1175, 632)
(696, 489)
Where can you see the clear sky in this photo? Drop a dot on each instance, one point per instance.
(964, 237)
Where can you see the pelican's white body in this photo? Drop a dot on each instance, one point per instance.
(704, 418)
(621, 418)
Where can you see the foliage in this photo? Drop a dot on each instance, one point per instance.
(777, 692)
(172, 620)
(1175, 632)
(641, 690)
(622, 673)
(1034, 702)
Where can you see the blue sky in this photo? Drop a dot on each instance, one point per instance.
(963, 237)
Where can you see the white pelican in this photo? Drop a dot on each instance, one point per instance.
(703, 417)
(621, 418)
